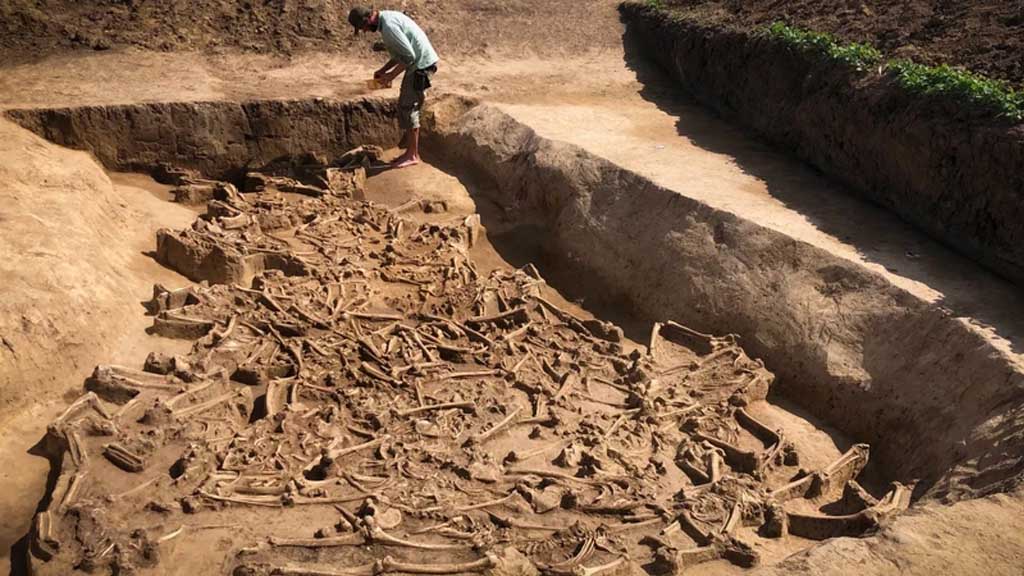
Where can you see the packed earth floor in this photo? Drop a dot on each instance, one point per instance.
(361, 398)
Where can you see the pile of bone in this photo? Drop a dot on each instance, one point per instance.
(361, 399)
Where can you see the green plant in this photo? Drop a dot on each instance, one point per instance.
(961, 85)
(858, 56)
(655, 4)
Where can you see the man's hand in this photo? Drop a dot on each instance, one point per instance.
(390, 75)
(383, 72)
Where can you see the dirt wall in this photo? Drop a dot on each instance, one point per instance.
(932, 396)
(217, 138)
(958, 178)
(30, 28)
(72, 269)
(984, 36)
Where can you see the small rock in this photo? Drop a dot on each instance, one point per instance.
(569, 457)
(427, 428)
(193, 194)
(158, 506)
(254, 182)
(790, 457)
(776, 524)
(546, 500)
(157, 363)
(737, 399)
(604, 330)
(164, 173)
(190, 504)
(511, 562)
(484, 473)
(434, 206)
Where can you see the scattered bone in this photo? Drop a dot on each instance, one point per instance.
(378, 535)
(826, 481)
(124, 458)
(350, 540)
(823, 527)
(485, 436)
(469, 406)
(382, 357)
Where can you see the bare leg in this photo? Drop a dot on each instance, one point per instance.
(411, 157)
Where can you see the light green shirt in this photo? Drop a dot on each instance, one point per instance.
(405, 40)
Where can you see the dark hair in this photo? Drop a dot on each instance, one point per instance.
(359, 17)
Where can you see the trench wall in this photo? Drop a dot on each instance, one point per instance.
(936, 401)
(932, 397)
(217, 138)
(958, 178)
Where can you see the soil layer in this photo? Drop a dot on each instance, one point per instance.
(29, 28)
(984, 36)
(955, 178)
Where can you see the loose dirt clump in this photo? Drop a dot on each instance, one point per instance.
(371, 403)
(985, 36)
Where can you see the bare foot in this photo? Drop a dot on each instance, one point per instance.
(405, 161)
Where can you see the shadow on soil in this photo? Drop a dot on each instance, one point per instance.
(878, 236)
(19, 550)
(522, 243)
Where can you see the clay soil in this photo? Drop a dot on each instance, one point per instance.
(984, 36)
(29, 28)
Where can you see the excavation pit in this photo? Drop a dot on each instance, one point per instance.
(722, 487)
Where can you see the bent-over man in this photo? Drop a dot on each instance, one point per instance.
(411, 53)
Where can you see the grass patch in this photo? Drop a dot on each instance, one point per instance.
(969, 90)
(860, 57)
(965, 87)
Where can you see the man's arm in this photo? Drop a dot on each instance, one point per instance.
(379, 74)
(395, 71)
(400, 49)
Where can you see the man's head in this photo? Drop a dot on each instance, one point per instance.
(363, 19)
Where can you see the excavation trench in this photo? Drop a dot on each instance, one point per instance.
(858, 359)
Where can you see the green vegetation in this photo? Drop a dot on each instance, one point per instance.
(858, 56)
(968, 89)
(972, 90)
(960, 85)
